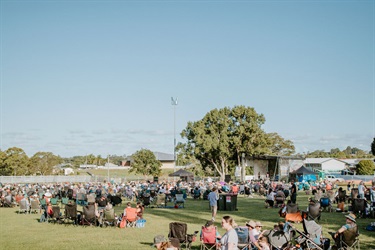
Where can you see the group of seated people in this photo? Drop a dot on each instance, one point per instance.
(210, 236)
(275, 198)
(131, 215)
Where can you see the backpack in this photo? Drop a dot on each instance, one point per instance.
(123, 222)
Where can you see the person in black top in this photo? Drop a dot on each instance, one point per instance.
(293, 190)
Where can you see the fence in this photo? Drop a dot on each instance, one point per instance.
(45, 179)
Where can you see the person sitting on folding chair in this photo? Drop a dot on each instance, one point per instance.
(130, 215)
(209, 236)
(350, 225)
(252, 225)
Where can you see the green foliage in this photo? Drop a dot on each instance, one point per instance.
(42, 163)
(366, 167)
(249, 171)
(13, 162)
(279, 146)
(220, 138)
(347, 153)
(145, 163)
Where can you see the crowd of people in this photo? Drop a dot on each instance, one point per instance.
(275, 194)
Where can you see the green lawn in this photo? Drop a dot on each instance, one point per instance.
(124, 173)
(19, 231)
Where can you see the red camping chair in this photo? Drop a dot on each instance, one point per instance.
(131, 216)
(208, 238)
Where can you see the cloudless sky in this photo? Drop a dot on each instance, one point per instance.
(82, 77)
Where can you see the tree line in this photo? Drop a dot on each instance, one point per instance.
(215, 144)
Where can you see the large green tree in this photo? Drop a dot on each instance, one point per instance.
(219, 139)
(366, 167)
(42, 163)
(373, 147)
(13, 161)
(144, 162)
(277, 145)
(186, 157)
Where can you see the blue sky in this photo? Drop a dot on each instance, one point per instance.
(82, 77)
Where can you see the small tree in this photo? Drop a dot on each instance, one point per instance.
(145, 163)
(365, 167)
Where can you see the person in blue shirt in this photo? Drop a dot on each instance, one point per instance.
(213, 197)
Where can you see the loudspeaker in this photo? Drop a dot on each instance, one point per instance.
(156, 179)
(227, 178)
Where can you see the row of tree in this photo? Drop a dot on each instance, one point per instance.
(336, 153)
(14, 161)
(215, 144)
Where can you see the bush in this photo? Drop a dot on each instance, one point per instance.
(365, 167)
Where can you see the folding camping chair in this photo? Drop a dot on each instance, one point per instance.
(311, 237)
(89, 217)
(109, 217)
(34, 206)
(71, 213)
(56, 217)
(359, 207)
(180, 201)
(178, 231)
(243, 238)
(54, 201)
(314, 212)
(208, 238)
(326, 204)
(131, 216)
(348, 240)
(146, 200)
(293, 213)
(23, 207)
(280, 238)
(161, 200)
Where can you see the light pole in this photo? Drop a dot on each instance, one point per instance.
(174, 102)
(108, 169)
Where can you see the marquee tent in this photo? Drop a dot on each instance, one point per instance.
(303, 174)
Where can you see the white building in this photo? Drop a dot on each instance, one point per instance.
(325, 164)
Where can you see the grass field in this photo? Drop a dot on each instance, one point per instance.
(126, 174)
(19, 231)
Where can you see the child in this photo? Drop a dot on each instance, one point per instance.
(263, 242)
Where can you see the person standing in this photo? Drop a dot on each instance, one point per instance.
(293, 191)
(361, 190)
(213, 197)
(229, 240)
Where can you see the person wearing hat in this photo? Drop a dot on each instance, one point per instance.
(158, 241)
(350, 225)
(251, 225)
